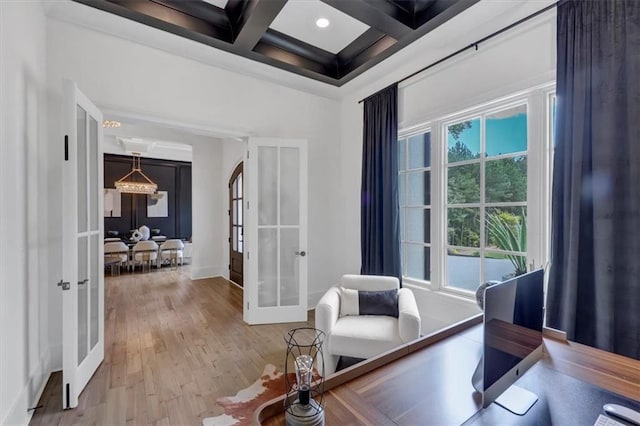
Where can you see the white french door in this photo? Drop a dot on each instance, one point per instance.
(275, 261)
(83, 250)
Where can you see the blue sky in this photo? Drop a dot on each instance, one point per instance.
(504, 135)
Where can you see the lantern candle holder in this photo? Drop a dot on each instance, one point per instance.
(304, 402)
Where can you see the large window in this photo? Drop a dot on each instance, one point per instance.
(486, 197)
(474, 193)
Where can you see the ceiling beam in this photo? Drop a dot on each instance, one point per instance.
(276, 56)
(385, 48)
(366, 58)
(433, 9)
(378, 14)
(162, 17)
(296, 52)
(254, 21)
(359, 45)
(199, 10)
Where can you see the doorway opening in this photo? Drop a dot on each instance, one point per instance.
(236, 228)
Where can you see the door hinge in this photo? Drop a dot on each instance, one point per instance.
(247, 306)
(66, 147)
(247, 154)
(67, 396)
(229, 266)
(64, 284)
(248, 255)
(229, 212)
(247, 205)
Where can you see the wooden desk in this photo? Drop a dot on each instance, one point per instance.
(429, 382)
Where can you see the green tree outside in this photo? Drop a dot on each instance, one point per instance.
(505, 181)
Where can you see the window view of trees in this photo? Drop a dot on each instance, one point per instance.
(486, 187)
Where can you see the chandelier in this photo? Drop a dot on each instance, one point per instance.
(110, 124)
(136, 182)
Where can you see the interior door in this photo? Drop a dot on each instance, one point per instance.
(236, 228)
(83, 249)
(275, 261)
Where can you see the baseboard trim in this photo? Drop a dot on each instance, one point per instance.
(200, 272)
(19, 413)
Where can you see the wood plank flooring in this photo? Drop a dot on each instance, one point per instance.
(172, 347)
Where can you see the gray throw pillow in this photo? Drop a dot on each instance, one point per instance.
(379, 302)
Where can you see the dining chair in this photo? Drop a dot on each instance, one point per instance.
(145, 253)
(117, 248)
(172, 251)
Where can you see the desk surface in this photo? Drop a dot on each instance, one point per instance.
(432, 385)
(562, 400)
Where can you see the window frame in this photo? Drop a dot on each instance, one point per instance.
(404, 137)
(539, 161)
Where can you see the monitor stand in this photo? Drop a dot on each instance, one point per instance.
(514, 399)
(517, 400)
(478, 376)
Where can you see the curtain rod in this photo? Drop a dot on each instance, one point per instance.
(472, 45)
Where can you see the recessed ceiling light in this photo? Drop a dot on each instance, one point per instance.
(322, 23)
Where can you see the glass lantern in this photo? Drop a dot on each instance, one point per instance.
(304, 402)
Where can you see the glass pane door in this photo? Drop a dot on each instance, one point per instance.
(276, 176)
(83, 279)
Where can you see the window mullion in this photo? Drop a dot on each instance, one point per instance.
(535, 178)
(439, 207)
(482, 195)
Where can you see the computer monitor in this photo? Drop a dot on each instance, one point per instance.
(513, 316)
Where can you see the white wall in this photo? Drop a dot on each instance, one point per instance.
(24, 278)
(124, 75)
(513, 61)
(517, 60)
(208, 221)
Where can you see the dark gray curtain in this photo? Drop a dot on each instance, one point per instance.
(380, 212)
(594, 281)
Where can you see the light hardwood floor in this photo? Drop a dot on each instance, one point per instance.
(172, 347)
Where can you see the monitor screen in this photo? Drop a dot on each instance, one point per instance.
(513, 317)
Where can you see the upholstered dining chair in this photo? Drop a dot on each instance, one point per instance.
(145, 253)
(365, 316)
(172, 251)
(117, 248)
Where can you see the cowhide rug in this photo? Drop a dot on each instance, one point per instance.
(238, 409)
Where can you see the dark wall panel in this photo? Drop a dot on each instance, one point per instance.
(184, 207)
(171, 176)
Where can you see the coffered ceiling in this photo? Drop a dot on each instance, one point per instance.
(284, 34)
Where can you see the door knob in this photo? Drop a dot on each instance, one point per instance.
(301, 253)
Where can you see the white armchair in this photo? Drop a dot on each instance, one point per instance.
(364, 336)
